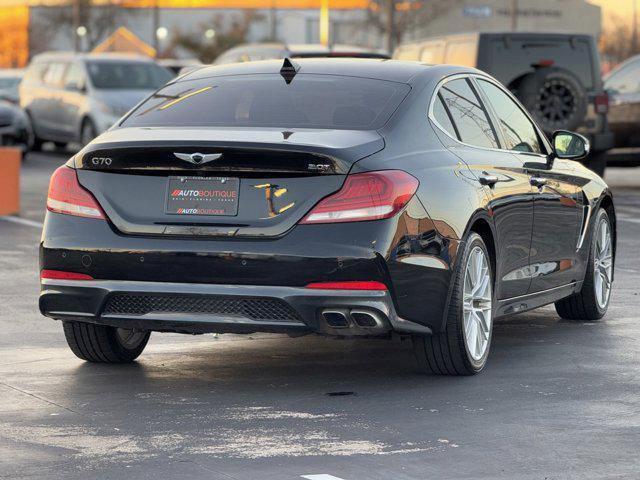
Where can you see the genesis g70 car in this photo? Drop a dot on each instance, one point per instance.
(334, 196)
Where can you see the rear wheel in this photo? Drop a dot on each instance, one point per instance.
(87, 132)
(592, 301)
(463, 347)
(104, 344)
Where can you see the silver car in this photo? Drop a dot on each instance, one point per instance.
(75, 97)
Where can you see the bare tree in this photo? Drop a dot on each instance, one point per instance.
(618, 41)
(229, 32)
(100, 21)
(394, 18)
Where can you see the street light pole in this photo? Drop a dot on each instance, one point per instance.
(76, 24)
(156, 25)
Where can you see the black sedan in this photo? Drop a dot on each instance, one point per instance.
(341, 197)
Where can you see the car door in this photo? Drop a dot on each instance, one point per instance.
(623, 87)
(50, 111)
(72, 99)
(557, 206)
(460, 113)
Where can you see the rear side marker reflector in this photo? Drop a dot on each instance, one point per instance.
(67, 196)
(368, 285)
(365, 196)
(61, 275)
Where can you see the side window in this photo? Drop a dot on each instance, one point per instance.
(74, 79)
(35, 73)
(626, 80)
(54, 74)
(468, 114)
(442, 116)
(518, 131)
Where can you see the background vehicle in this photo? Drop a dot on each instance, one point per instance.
(73, 98)
(15, 129)
(271, 51)
(234, 201)
(556, 76)
(623, 86)
(176, 65)
(9, 81)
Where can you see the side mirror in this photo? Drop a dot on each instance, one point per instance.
(569, 145)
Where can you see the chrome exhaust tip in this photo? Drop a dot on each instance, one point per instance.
(335, 318)
(366, 319)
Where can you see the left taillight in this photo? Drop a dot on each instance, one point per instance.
(601, 102)
(67, 196)
(366, 196)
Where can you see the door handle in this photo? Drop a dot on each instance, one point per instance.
(486, 179)
(538, 182)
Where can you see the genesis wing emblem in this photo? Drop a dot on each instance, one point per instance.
(198, 158)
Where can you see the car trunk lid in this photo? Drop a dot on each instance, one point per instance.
(248, 182)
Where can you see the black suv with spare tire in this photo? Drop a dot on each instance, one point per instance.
(556, 77)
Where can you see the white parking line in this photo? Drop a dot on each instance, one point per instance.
(624, 218)
(321, 476)
(22, 221)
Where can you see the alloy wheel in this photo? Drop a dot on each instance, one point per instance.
(602, 263)
(130, 339)
(477, 304)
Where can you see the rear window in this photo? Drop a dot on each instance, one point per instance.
(309, 101)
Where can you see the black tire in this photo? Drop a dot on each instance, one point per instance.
(596, 162)
(446, 352)
(555, 97)
(584, 305)
(103, 344)
(87, 131)
(35, 142)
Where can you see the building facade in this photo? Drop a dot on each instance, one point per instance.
(28, 27)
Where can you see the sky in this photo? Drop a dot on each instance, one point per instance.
(622, 8)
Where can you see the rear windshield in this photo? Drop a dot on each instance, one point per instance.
(127, 75)
(266, 100)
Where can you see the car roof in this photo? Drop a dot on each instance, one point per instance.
(69, 56)
(380, 69)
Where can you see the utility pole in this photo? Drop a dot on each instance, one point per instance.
(391, 25)
(634, 28)
(514, 15)
(156, 25)
(76, 24)
(273, 14)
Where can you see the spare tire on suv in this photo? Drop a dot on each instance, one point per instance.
(555, 97)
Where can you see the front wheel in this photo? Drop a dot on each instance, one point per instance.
(87, 132)
(463, 347)
(104, 344)
(592, 301)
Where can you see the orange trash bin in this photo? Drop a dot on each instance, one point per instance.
(10, 159)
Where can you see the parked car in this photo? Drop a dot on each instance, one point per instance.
(270, 51)
(623, 87)
(15, 129)
(556, 76)
(176, 65)
(10, 79)
(74, 97)
(234, 201)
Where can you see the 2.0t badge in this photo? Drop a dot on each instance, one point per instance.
(198, 158)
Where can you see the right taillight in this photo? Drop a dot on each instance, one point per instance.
(68, 197)
(601, 102)
(365, 196)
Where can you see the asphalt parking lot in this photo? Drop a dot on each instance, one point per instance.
(558, 399)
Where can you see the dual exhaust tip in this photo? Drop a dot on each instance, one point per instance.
(354, 317)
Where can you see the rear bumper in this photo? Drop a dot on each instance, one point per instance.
(299, 310)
